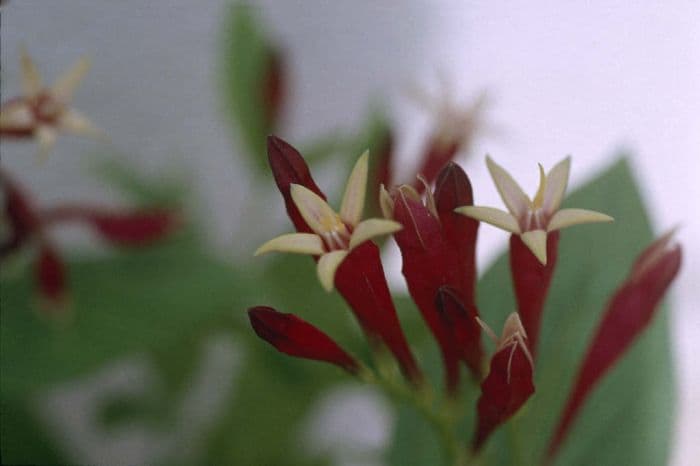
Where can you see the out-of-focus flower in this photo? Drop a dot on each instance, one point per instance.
(24, 223)
(333, 235)
(43, 112)
(628, 313)
(533, 219)
(296, 337)
(509, 383)
(455, 127)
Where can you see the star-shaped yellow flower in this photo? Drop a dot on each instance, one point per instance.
(42, 112)
(334, 234)
(533, 218)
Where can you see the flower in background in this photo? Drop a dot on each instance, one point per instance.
(532, 219)
(43, 112)
(333, 234)
(455, 127)
(25, 224)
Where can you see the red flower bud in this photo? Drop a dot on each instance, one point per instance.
(460, 319)
(274, 87)
(628, 313)
(531, 281)
(453, 190)
(291, 335)
(288, 167)
(361, 281)
(509, 383)
(135, 228)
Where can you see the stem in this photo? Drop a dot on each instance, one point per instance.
(422, 398)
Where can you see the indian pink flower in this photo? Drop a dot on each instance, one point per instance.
(534, 224)
(43, 112)
(509, 383)
(437, 249)
(455, 127)
(341, 244)
(628, 312)
(26, 223)
(296, 337)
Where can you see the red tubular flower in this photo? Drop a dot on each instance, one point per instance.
(534, 223)
(509, 383)
(288, 167)
(460, 318)
(628, 313)
(27, 223)
(274, 87)
(437, 248)
(454, 131)
(426, 265)
(293, 336)
(452, 190)
(125, 228)
(531, 281)
(340, 245)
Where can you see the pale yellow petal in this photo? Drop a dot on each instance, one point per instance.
(296, 243)
(327, 265)
(386, 203)
(65, 86)
(372, 227)
(512, 194)
(354, 198)
(315, 211)
(512, 326)
(539, 196)
(74, 122)
(568, 217)
(557, 179)
(495, 217)
(31, 79)
(46, 137)
(16, 116)
(536, 241)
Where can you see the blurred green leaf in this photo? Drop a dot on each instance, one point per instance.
(246, 55)
(616, 426)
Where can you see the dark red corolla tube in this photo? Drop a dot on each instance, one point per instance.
(531, 280)
(437, 248)
(509, 383)
(293, 336)
(628, 313)
(360, 277)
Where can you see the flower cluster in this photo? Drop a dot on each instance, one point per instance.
(38, 115)
(436, 233)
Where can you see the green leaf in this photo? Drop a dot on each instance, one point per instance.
(245, 58)
(627, 420)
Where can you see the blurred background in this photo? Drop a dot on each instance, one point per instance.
(588, 79)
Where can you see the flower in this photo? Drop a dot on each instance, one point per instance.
(42, 112)
(454, 128)
(23, 223)
(628, 312)
(291, 335)
(333, 234)
(533, 219)
(509, 383)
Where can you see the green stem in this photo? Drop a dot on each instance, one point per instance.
(441, 417)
